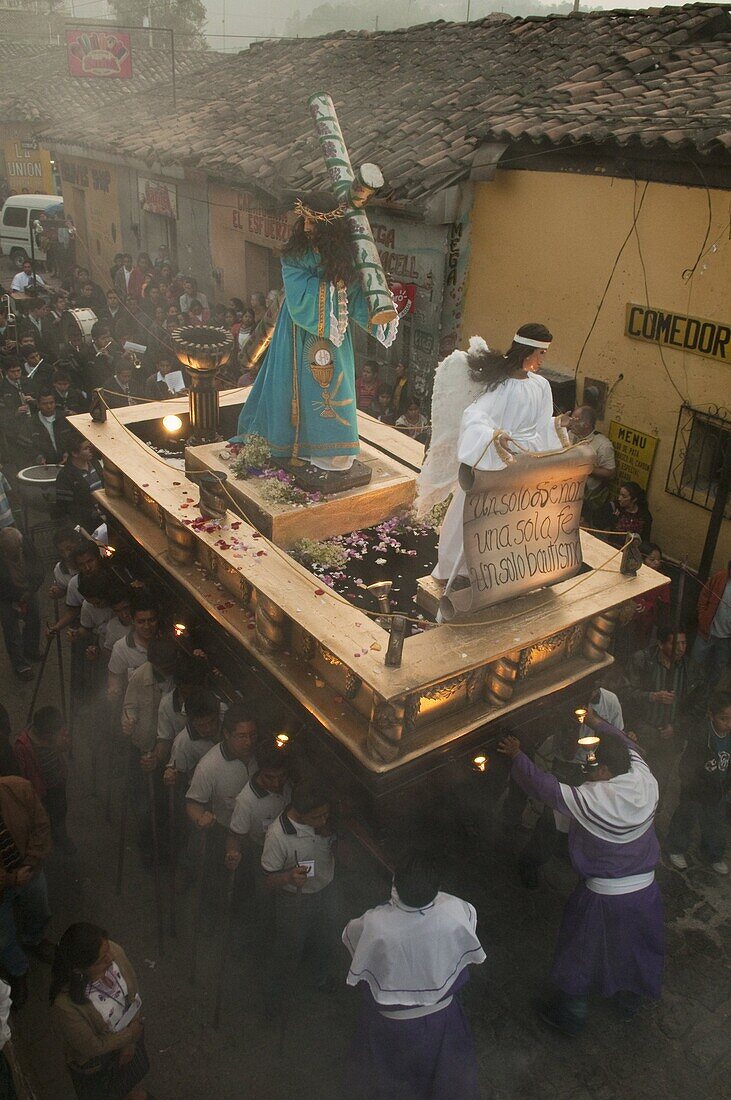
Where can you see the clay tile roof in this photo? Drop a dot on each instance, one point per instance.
(420, 100)
(35, 85)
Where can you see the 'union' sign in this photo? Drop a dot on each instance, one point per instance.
(698, 335)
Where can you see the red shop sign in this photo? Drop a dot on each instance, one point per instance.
(404, 296)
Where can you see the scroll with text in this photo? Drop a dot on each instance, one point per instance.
(521, 528)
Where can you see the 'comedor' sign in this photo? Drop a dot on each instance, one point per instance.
(698, 335)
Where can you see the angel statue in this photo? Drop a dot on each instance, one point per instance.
(303, 400)
(483, 402)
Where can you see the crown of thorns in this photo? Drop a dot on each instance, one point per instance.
(318, 215)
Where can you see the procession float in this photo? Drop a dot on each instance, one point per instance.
(301, 564)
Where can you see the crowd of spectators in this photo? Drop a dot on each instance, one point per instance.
(251, 813)
(254, 819)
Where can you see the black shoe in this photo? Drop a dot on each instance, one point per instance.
(18, 990)
(529, 874)
(626, 1005)
(25, 672)
(555, 1016)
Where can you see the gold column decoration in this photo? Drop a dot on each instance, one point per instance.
(386, 729)
(353, 684)
(213, 500)
(271, 623)
(245, 591)
(202, 350)
(113, 479)
(598, 634)
(500, 680)
(181, 542)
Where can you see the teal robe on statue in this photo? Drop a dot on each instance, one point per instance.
(303, 399)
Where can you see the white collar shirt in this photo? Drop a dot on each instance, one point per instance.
(256, 809)
(217, 781)
(288, 843)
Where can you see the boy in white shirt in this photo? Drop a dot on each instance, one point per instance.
(223, 771)
(262, 800)
(299, 862)
(198, 737)
(120, 622)
(66, 542)
(189, 675)
(130, 652)
(94, 614)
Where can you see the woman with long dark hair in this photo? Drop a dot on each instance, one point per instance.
(303, 401)
(95, 1005)
(629, 513)
(509, 409)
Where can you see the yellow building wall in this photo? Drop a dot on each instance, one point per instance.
(542, 246)
(90, 196)
(25, 164)
(246, 242)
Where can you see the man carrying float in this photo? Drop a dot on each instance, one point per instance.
(612, 935)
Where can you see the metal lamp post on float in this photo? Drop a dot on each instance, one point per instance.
(587, 741)
(202, 350)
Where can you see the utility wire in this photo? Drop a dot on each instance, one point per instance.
(609, 280)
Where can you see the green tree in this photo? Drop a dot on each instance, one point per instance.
(185, 17)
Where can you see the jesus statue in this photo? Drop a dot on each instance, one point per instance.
(303, 399)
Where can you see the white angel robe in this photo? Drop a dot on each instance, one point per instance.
(522, 407)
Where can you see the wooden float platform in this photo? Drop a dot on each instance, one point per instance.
(329, 655)
(391, 490)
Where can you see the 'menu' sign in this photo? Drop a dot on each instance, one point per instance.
(698, 335)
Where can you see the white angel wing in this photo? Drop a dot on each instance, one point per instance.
(453, 391)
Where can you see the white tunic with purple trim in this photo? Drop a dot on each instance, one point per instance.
(612, 934)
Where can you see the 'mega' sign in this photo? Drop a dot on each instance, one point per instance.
(674, 330)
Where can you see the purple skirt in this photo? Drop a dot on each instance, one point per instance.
(612, 943)
(430, 1058)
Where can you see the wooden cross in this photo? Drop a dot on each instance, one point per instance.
(353, 193)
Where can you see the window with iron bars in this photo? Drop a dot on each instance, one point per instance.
(702, 439)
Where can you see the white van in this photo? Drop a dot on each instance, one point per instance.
(16, 221)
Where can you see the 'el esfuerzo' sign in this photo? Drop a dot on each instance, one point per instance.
(698, 335)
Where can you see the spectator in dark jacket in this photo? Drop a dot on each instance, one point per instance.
(41, 752)
(21, 575)
(43, 438)
(662, 683)
(704, 786)
(25, 842)
(712, 649)
(38, 323)
(69, 399)
(8, 761)
(79, 477)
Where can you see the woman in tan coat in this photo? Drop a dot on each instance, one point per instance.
(95, 1006)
